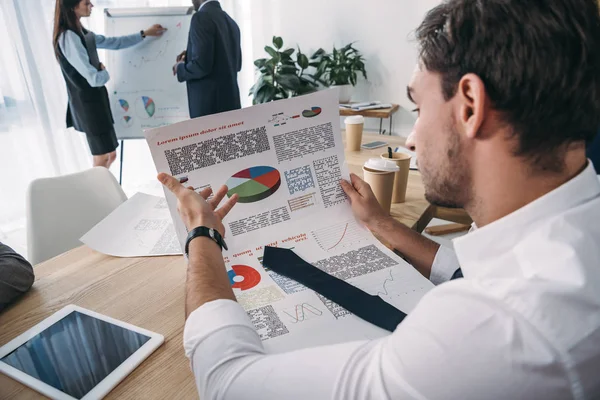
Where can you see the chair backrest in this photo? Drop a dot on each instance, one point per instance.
(62, 209)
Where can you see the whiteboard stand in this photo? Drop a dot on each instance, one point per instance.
(121, 162)
(137, 86)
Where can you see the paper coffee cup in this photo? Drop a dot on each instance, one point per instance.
(402, 160)
(379, 174)
(354, 131)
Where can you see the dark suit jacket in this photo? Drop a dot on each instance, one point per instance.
(593, 152)
(214, 57)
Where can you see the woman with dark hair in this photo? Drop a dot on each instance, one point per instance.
(75, 47)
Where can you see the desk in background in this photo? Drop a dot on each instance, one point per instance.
(378, 113)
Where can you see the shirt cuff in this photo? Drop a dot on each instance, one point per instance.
(209, 318)
(444, 265)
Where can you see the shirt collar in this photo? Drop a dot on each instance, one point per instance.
(500, 237)
(205, 3)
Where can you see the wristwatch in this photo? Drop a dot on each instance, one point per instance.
(209, 233)
(143, 34)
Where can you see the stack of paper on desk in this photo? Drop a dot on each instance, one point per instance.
(142, 226)
(285, 160)
(373, 105)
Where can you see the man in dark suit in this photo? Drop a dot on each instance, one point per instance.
(211, 62)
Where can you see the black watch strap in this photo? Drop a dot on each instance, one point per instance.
(204, 231)
(143, 34)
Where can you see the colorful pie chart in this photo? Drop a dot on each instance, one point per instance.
(149, 105)
(124, 104)
(313, 112)
(254, 184)
(243, 277)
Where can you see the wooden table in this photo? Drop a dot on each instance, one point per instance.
(147, 292)
(380, 113)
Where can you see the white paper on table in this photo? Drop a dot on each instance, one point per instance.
(285, 160)
(140, 227)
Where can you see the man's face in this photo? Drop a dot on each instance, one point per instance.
(443, 166)
(197, 4)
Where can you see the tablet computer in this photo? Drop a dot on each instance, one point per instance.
(77, 354)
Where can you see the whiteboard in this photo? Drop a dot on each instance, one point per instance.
(143, 92)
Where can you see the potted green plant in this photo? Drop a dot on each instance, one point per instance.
(281, 76)
(340, 68)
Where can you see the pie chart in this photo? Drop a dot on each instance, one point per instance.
(243, 277)
(145, 107)
(313, 112)
(124, 104)
(254, 184)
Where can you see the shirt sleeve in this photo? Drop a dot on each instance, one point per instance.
(16, 275)
(456, 344)
(76, 54)
(118, 43)
(444, 265)
(200, 60)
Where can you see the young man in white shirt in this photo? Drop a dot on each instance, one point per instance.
(508, 93)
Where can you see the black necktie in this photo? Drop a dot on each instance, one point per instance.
(457, 274)
(372, 309)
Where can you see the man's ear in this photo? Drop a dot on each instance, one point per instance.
(472, 105)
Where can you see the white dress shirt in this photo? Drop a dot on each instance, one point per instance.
(77, 55)
(524, 323)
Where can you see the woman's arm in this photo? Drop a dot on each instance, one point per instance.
(123, 42)
(76, 54)
(118, 43)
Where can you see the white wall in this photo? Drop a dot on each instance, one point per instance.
(381, 28)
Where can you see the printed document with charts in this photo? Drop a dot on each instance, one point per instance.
(285, 160)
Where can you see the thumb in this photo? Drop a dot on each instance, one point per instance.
(361, 186)
(348, 189)
(171, 183)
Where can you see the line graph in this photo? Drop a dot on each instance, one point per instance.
(339, 236)
(302, 312)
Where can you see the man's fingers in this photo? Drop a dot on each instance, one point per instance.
(171, 183)
(361, 186)
(206, 193)
(348, 189)
(214, 203)
(224, 210)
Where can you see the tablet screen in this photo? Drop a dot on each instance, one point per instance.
(76, 353)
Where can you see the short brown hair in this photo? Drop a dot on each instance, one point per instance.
(539, 61)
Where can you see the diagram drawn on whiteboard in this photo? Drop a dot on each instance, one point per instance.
(158, 49)
(145, 107)
(142, 86)
(126, 121)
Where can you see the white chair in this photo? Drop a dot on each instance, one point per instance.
(62, 209)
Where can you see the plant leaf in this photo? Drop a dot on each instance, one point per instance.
(277, 42)
(272, 52)
(303, 61)
(289, 52)
(290, 82)
(260, 62)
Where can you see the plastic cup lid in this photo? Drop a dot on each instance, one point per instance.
(380, 164)
(354, 120)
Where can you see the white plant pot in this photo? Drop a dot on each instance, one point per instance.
(345, 92)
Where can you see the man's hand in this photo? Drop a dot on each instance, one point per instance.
(365, 206)
(175, 68)
(102, 67)
(194, 209)
(181, 57)
(155, 30)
